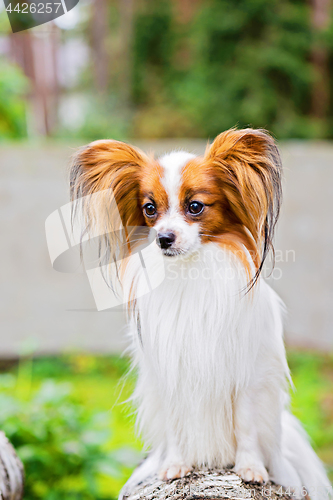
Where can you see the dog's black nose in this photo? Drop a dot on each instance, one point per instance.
(165, 240)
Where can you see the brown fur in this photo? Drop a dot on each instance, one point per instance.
(110, 164)
(238, 179)
(248, 167)
(152, 190)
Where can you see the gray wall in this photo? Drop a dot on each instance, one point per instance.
(47, 311)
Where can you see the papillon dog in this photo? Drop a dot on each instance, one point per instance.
(207, 342)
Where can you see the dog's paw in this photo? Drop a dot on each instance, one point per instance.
(174, 471)
(253, 474)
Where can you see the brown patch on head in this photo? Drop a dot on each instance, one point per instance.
(239, 181)
(201, 183)
(111, 170)
(111, 165)
(152, 191)
(218, 223)
(248, 166)
(197, 186)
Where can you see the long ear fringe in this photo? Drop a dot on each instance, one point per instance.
(250, 168)
(104, 180)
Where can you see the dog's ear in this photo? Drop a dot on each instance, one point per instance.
(104, 185)
(110, 166)
(248, 163)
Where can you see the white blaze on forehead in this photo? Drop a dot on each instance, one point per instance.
(187, 235)
(172, 164)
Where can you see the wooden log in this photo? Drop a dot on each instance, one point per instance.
(210, 484)
(11, 471)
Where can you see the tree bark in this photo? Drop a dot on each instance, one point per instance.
(11, 471)
(206, 485)
(320, 59)
(99, 34)
(126, 10)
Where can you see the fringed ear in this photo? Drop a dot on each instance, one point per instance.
(249, 166)
(104, 185)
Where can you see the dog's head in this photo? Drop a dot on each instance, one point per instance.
(230, 196)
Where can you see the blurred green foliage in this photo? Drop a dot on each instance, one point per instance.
(245, 63)
(312, 400)
(13, 89)
(68, 422)
(194, 69)
(66, 419)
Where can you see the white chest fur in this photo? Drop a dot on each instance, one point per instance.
(196, 351)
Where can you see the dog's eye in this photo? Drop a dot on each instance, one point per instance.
(149, 209)
(195, 207)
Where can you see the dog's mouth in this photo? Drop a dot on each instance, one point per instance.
(173, 252)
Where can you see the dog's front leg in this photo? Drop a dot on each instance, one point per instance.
(249, 462)
(173, 465)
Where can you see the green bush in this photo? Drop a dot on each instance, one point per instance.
(64, 443)
(249, 66)
(69, 423)
(225, 64)
(13, 88)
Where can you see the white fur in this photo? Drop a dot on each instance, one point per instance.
(187, 235)
(212, 385)
(212, 373)
(172, 164)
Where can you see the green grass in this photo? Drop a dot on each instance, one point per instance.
(71, 424)
(312, 400)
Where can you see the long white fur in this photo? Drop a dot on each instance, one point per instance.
(212, 385)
